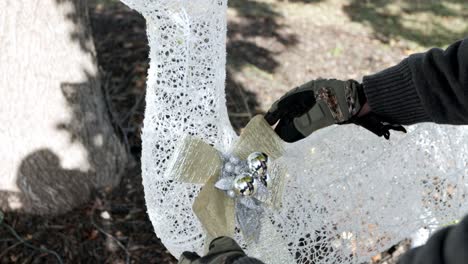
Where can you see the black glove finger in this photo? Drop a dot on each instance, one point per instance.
(277, 111)
(287, 131)
(272, 117)
(396, 127)
(297, 104)
(293, 104)
(377, 125)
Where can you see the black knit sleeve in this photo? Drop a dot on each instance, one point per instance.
(425, 87)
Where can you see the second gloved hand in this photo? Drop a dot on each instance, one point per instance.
(322, 103)
(222, 250)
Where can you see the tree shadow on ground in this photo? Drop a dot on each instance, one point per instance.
(113, 226)
(427, 23)
(78, 111)
(123, 55)
(252, 32)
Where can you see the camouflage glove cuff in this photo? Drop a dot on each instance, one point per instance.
(222, 250)
(322, 103)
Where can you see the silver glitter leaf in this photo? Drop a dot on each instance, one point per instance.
(249, 202)
(262, 194)
(249, 221)
(224, 184)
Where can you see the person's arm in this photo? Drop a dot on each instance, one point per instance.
(425, 87)
(446, 246)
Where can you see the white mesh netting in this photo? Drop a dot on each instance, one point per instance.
(349, 194)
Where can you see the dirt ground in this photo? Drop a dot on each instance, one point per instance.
(272, 46)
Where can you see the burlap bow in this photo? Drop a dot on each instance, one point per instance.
(197, 162)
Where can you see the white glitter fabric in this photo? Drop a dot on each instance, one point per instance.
(348, 193)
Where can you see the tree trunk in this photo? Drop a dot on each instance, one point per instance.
(56, 138)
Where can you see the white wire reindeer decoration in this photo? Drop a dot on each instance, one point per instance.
(348, 194)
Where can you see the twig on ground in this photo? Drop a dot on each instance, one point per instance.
(116, 240)
(133, 109)
(22, 241)
(246, 103)
(105, 91)
(9, 248)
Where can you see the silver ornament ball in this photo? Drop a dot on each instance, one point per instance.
(258, 163)
(231, 193)
(234, 160)
(238, 169)
(245, 185)
(228, 167)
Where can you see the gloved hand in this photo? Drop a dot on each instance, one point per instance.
(222, 250)
(322, 103)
